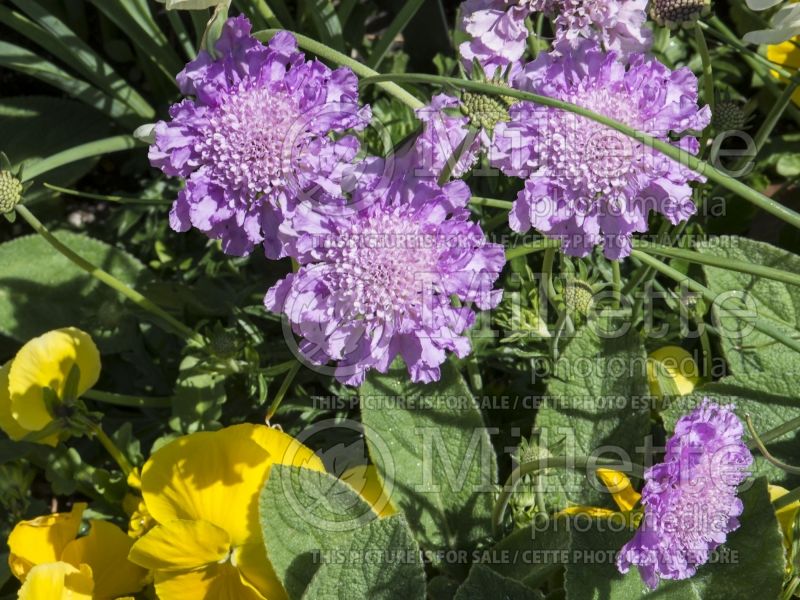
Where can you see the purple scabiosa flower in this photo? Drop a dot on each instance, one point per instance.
(499, 32)
(690, 499)
(376, 278)
(618, 25)
(587, 184)
(447, 139)
(255, 138)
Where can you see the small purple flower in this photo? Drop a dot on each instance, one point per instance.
(376, 277)
(255, 138)
(619, 25)
(587, 184)
(499, 32)
(690, 499)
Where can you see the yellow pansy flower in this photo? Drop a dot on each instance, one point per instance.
(786, 54)
(785, 515)
(50, 559)
(202, 492)
(366, 480)
(58, 581)
(621, 489)
(39, 375)
(671, 367)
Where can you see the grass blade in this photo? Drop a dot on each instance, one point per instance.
(395, 28)
(60, 41)
(23, 60)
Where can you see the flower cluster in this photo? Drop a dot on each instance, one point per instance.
(585, 183)
(690, 499)
(255, 139)
(262, 168)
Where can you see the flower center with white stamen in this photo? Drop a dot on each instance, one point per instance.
(248, 139)
(382, 267)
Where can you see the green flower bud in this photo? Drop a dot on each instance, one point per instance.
(484, 110)
(10, 192)
(578, 296)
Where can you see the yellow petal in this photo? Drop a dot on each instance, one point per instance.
(785, 515)
(45, 362)
(105, 549)
(591, 511)
(217, 477)
(283, 449)
(7, 423)
(621, 488)
(674, 363)
(58, 581)
(181, 545)
(366, 480)
(216, 582)
(256, 570)
(42, 540)
(785, 54)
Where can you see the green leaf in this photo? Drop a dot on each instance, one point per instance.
(530, 554)
(749, 565)
(788, 165)
(484, 583)
(41, 290)
(594, 399)
(754, 358)
(380, 561)
(198, 398)
(304, 516)
(35, 127)
(433, 451)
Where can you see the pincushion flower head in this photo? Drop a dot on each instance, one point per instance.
(499, 33)
(255, 140)
(202, 492)
(587, 184)
(54, 563)
(376, 279)
(690, 499)
(43, 382)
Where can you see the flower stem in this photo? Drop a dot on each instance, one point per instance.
(757, 322)
(616, 283)
(708, 81)
(491, 203)
(287, 381)
(531, 248)
(765, 453)
(323, 51)
(787, 499)
(129, 401)
(111, 448)
(555, 462)
(118, 199)
(683, 157)
(89, 150)
(167, 320)
(719, 262)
